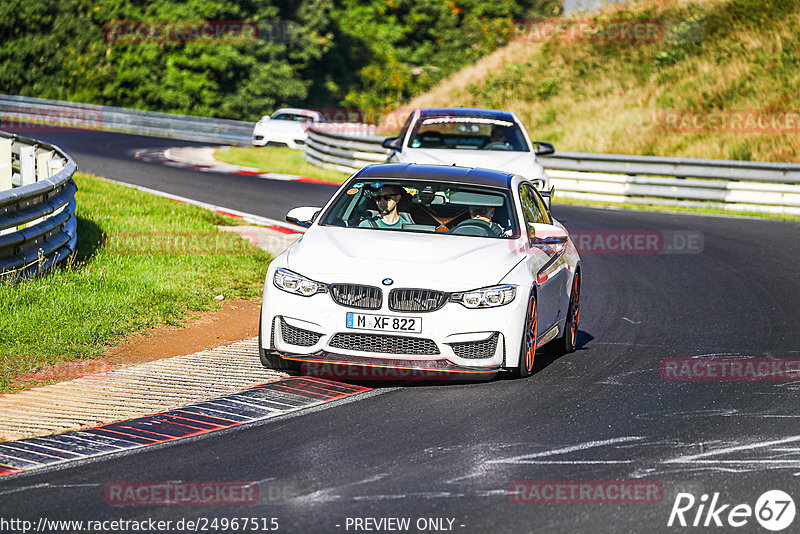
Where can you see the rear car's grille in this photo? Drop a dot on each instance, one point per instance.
(476, 349)
(416, 300)
(384, 343)
(356, 296)
(297, 336)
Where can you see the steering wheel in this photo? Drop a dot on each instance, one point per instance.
(476, 227)
(497, 145)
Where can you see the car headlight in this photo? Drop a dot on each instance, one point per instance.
(299, 285)
(487, 297)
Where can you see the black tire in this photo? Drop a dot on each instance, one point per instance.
(570, 337)
(273, 360)
(527, 351)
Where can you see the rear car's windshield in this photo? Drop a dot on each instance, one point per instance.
(470, 133)
(424, 206)
(292, 117)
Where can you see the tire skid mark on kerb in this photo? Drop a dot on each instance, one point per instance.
(253, 404)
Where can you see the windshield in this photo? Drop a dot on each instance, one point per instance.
(292, 117)
(469, 133)
(424, 206)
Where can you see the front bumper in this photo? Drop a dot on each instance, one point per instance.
(453, 339)
(340, 366)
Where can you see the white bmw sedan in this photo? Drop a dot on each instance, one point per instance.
(470, 137)
(427, 268)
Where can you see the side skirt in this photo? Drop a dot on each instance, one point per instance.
(548, 336)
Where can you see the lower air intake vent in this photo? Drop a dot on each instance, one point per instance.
(476, 349)
(297, 336)
(384, 344)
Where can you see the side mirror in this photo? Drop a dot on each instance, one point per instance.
(538, 183)
(546, 234)
(392, 143)
(548, 197)
(542, 148)
(303, 216)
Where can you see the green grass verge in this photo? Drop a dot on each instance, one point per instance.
(277, 159)
(130, 272)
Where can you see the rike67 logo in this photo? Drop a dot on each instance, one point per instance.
(774, 510)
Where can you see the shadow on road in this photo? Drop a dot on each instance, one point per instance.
(551, 352)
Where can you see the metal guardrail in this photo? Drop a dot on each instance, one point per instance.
(343, 152)
(731, 185)
(38, 227)
(22, 109)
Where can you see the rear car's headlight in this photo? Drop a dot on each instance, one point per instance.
(487, 297)
(299, 285)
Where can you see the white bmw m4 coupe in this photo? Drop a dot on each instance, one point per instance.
(458, 271)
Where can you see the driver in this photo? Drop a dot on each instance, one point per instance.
(386, 200)
(498, 138)
(484, 214)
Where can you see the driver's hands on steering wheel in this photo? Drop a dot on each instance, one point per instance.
(497, 145)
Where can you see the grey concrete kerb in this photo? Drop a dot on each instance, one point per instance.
(135, 391)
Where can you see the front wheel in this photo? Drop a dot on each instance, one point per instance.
(570, 337)
(527, 351)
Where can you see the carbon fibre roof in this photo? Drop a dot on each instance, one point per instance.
(446, 173)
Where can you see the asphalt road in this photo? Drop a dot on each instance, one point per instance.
(603, 413)
(111, 155)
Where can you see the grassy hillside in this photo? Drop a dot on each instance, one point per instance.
(601, 95)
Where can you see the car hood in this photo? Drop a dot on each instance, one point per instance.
(367, 256)
(523, 163)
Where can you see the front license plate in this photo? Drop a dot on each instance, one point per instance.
(384, 323)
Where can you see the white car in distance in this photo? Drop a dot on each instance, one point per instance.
(470, 137)
(287, 126)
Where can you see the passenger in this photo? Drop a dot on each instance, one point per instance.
(386, 200)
